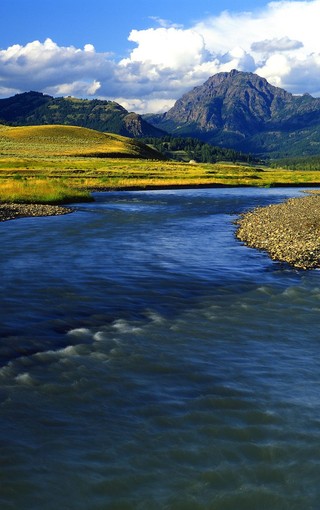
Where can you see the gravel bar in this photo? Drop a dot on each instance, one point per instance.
(14, 211)
(289, 232)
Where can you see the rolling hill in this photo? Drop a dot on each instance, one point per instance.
(69, 141)
(35, 108)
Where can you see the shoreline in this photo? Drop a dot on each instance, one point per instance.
(12, 211)
(289, 232)
(15, 211)
(159, 187)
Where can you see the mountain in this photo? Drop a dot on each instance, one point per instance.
(243, 111)
(236, 110)
(35, 108)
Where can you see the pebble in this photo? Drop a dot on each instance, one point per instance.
(289, 232)
(14, 211)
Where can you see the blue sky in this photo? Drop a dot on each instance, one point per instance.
(146, 54)
(104, 23)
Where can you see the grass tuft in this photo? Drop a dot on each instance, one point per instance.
(40, 191)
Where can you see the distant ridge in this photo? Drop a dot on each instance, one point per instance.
(236, 110)
(243, 111)
(35, 108)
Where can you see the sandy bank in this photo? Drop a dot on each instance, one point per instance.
(289, 232)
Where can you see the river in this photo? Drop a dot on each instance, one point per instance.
(149, 360)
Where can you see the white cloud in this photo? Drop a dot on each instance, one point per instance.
(167, 47)
(279, 42)
(47, 66)
(275, 68)
(164, 22)
(89, 48)
(145, 105)
(276, 45)
(76, 89)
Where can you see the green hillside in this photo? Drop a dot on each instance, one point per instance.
(35, 108)
(69, 141)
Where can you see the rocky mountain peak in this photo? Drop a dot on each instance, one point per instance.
(236, 109)
(235, 100)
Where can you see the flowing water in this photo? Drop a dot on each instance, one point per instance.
(149, 360)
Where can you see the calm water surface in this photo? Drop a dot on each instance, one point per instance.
(149, 360)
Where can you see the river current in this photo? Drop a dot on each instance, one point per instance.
(149, 360)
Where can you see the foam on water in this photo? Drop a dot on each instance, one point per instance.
(124, 327)
(25, 378)
(80, 332)
(210, 436)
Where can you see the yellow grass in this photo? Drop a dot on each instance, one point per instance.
(47, 163)
(44, 141)
(42, 191)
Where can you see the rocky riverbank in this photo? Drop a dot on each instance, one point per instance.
(14, 211)
(289, 232)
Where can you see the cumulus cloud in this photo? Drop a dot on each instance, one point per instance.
(76, 89)
(276, 45)
(146, 105)
(47, 66)
(167, 48)
(278, 42)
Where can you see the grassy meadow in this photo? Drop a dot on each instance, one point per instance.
(59, 164)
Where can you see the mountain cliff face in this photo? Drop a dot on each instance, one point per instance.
(236, 110)
(243, 111)
(34, 108)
